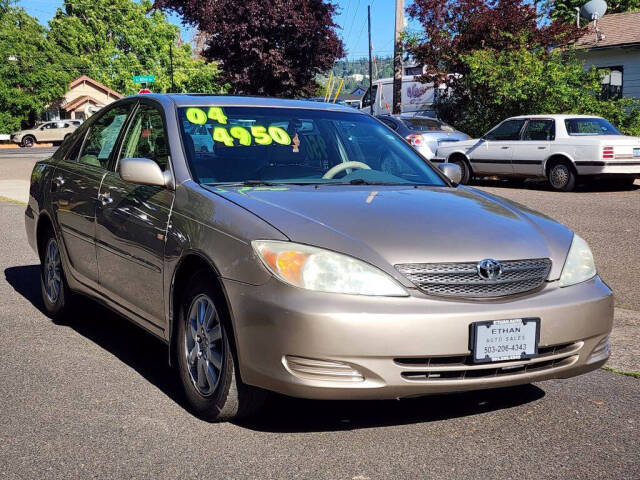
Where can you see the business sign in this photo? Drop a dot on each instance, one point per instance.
(144, 79)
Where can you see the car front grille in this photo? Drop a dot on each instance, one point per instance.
(463, 280)
(437, 369)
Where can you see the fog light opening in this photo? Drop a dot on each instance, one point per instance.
(315, 369)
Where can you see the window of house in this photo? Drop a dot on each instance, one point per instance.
(611, 82)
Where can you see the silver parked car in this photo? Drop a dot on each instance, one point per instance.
(425, 134)
(306, 249)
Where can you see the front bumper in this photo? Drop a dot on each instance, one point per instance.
(392, 342)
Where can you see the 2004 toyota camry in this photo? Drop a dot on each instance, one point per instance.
(305, 248)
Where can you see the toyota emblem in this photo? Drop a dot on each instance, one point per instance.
(489, 269)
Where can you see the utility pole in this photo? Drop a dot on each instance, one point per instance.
(370, 65)
(397, 58)
(173, 87)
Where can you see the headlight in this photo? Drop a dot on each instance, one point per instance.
(323, 270)
(579, 266)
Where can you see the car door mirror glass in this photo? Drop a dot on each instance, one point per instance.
(143, 171)
(451, 171)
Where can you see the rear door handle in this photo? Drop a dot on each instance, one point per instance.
(105, 199)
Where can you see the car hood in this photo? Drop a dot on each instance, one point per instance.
(387, 225)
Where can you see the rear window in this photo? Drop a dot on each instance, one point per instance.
(590, 126)
(427, 125)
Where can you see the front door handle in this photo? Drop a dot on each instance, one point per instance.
(105, 199)
(58, 181)
(541, 148)
(504, 148)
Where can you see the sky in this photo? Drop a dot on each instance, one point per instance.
(352, 18)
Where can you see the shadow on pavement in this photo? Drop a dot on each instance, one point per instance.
(543, 185)
(135, 347)
(147, 355)
(286, 414)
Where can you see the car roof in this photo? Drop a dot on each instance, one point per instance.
(555, 116)
(205, 100)
(408, 117)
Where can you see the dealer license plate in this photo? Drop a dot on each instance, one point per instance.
(500, 340)
(636, 152)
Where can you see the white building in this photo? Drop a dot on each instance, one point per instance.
(616, 48)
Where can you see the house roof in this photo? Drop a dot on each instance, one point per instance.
(619, 29)
(75, 103)
(95, 83)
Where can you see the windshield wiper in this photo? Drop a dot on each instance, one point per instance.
(246, 183)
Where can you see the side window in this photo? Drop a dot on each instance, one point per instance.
(389, 123)
(540, 130)
(370, 96)
(146, 138)
(509, 130)
(102, 137)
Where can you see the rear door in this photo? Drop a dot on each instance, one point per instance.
(534, 148)
(132, 221)
(75, 187)
(493, 154)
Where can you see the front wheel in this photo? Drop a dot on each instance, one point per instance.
(206, 363)
(56, 295)
(28, 141)
(465, 170)
(562, 177)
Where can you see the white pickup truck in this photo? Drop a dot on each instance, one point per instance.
(558, 147)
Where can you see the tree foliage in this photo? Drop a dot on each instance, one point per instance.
(112, 40)
(274, 47)
(565, 10)
(454, 28)
(29, 79)
(500, 84)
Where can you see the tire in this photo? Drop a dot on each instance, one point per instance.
(28, 141)
(56, 296)
(206, 363)
(464, 168)
(562, 177)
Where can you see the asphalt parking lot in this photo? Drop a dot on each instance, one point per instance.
(93, 398)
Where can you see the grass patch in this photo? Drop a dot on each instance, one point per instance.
(11, 200)
(622, 372)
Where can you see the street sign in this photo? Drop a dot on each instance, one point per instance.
(144, 79)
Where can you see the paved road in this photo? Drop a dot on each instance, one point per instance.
(94, 398)
(15, 170)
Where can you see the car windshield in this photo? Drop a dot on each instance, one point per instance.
(252, 145)
(590, 126)
(426, 125)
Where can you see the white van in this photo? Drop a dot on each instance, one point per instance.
(416, 96)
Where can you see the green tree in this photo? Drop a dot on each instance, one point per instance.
(501, 84)
(565, 10)
(29, 79)
(113, 40)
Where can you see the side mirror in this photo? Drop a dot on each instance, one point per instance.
(452, 172)
(144, 171)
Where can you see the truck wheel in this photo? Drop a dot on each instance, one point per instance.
(28, 141)
(562, 177)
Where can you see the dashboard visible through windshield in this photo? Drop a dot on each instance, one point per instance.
(252, 145)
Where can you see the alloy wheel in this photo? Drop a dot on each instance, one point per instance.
(559, 176)
(52, 271)
(204, 346)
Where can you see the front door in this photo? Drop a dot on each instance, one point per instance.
(75, 187)
(534, 148)
(132, 222)
(493, 155)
